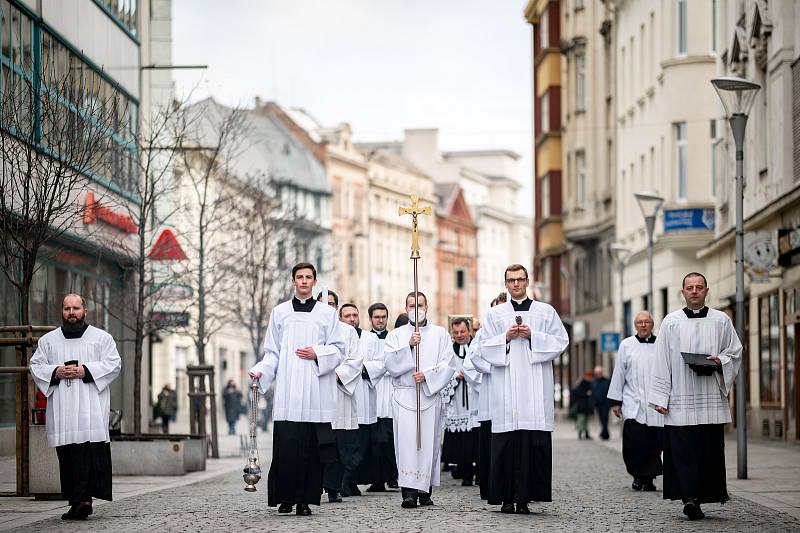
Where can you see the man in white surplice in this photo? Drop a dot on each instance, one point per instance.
(694, 397)
(302, 349)
(522, 338)
(460, 398)
(643, 427)
(345, 423)
(73, 366)
(380, 461)
(418, 469)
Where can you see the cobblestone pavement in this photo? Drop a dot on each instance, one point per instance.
(591, 492)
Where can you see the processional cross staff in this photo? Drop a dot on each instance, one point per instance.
(415, 210)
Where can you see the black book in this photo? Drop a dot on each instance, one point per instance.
(697, 359)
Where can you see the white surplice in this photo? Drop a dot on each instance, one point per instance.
(384, 390)
(372, 349)
(693, 399)
(460, 407)
(304, 388)
(349, 374)
(77, 412)
(522, 370)
(418, 468)
(631, 379)
(481, 376)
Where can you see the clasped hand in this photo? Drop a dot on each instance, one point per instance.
(70, 372)
(520, 331)
(307, 353)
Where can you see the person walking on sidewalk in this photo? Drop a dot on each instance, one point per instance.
(698, 355)
(167, 406)
(232, 401)
(581, 404)
(600, 400)
(643, 427)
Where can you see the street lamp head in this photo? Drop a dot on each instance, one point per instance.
(737, 94)
(649, 203)
(619, 252)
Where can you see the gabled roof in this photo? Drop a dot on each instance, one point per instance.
(267, 147)
(451, 203)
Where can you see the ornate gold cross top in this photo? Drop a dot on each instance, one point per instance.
(415, 210)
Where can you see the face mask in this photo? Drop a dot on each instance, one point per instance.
(421, 314)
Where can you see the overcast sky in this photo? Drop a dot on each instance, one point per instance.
(463, 66)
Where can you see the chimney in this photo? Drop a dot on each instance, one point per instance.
(421, 147)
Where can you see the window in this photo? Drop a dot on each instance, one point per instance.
(460, 279)
(545, 200)
(50, 94)
(545, 113)
(544, 30)
(121, 11)
(627, 314)
(769, 348)
(664, 302)
(646, 302)
(715, 157)
(682, 22)
(580, 81)
(578, 4)
(580, 178)
(681, 160)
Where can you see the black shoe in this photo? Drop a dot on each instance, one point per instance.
(692, 510)
(507, 508)
(72, 514)
(637, 484)
(83, 511)
(333, 497)
(466, 483)
(522, 508)
(303, 510)
(409, 502)
(285, 508)
(445, 467)
(425, 500)
(648, 486)
(376, 487)
(393, 484)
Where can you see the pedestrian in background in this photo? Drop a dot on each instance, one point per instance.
(600, 400)
(166, 406)
(581, 401)
(232, 400)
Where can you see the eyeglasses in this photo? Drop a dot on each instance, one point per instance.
(512, 281)
(643, 322)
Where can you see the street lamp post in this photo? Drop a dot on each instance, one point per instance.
(649, 203)
(737, 97)
(620, 254)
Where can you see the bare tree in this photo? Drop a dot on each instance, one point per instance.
(263, 229)
(56, 127)
(207, 171)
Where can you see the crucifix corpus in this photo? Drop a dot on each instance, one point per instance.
(415, 210)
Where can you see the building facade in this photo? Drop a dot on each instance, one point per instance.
(588, 210)
(665, 111)
(760, 41)
(456, 255)
(95, 47)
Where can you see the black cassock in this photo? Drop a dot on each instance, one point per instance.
(521, 467)
(694, 463)
(641, 449)
(299, 452)
(85, 471)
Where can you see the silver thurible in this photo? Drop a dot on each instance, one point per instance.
(252, 470)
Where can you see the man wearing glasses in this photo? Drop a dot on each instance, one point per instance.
(522, 338)
(641, 432)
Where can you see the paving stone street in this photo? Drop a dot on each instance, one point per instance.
(591, 492)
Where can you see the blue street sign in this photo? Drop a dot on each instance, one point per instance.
(687, 219)
(609, 341)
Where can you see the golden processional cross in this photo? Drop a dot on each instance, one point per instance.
(415, 210)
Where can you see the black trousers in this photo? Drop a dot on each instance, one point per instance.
(299, 451)
(341, 473)
(694, 463)
(380, 463)
(521, 467)
(602, 414)
(85, 471)
(641, 450)
(461, 448)
(484, 457)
